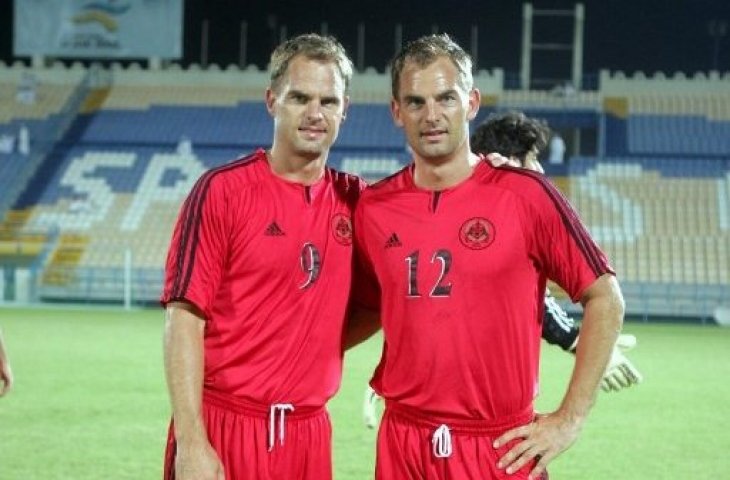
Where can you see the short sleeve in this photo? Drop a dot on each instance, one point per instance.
(562, 245)
(199, 246)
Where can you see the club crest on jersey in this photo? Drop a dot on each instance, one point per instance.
(477, 233)
(342, 228)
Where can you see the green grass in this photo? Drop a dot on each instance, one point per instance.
(90, 403)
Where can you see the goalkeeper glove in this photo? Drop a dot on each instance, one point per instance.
(621, 373)
(369, 407)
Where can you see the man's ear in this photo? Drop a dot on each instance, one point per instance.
(345, 106)
(475, 99)
(395, 111)
(270, 100)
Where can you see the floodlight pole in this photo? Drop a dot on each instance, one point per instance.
(717, 30)
(361, 46)
(243, 45)
(578, 46)
(526, 57)
(204, 44)
(475, 46)
(397, 38)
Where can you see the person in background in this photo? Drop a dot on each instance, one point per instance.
(520, 140)
(556, 155)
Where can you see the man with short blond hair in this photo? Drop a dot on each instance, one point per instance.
(455, 255)
(257, 283)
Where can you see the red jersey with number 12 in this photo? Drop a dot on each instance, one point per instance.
(269, 264)
(459, 276)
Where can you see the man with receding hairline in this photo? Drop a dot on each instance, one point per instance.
(454, 254)
(257, 283)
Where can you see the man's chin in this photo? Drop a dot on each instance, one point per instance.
(309, 150)
(435, 153)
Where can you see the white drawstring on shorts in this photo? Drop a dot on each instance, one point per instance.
(441, 442)
(281, 408)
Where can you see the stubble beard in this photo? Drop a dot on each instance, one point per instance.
(435, 153)
(311, 149)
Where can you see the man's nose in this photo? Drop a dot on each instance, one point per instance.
(314, 110)
(432, 111)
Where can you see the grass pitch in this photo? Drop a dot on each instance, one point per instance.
(90, 402)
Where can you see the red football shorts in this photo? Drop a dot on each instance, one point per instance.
(412, 446)
(299, 447)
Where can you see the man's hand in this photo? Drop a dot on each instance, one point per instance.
(6, 378)
(6, 373)
(621, 373)
(497, 160)
(369, 409)
(542, 440)
(198, 462)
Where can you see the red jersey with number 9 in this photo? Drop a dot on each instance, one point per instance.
(269, 264)
(459, 277)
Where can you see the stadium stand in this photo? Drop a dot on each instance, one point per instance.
(109, 187)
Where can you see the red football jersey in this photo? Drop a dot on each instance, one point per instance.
(459, 277)
(269, 263)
